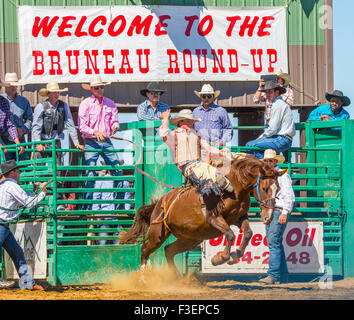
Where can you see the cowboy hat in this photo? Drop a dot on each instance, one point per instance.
(339, 94)
(284, 76)
(271, 154)
(51, 87)
(11, 79)
(207, 89)
(95, 81)
(183, 114)
(152, 87)
(269, 85)
(9, 165)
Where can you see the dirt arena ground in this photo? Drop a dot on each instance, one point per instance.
(160, 285)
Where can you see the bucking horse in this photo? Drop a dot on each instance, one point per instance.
(180, 212)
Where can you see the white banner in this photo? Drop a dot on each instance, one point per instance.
(32, 237)
(145, 43)
(303, 246)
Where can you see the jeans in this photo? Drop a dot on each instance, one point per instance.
(110, 158)
(277, 143)
(11, 155)
(104, 234)
(278, 269)
(48, 154)
(9, 243)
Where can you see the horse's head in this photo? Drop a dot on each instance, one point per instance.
(265, 190)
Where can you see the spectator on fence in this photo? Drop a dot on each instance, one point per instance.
(12, 196)
(279, 133)
(50, 117)
(214, 126)
(284, 203)
(21, 112)
(6, 123)
(334, 110)
(105, 195)
(284, 81)
(98, 122)
(152, 107)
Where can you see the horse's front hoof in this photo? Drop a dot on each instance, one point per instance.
(217, 260)
(234, 258)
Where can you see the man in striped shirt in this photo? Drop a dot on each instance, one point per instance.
(12, 196)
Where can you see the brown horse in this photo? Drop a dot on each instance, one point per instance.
(180, 212)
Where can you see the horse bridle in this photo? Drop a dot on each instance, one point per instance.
(267, 203)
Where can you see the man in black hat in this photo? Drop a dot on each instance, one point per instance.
(12, 196)
(279, 133)
(332, 111)
(152, 108)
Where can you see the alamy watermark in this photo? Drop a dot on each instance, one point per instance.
(325, 21)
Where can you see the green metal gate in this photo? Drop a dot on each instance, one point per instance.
(322, 185)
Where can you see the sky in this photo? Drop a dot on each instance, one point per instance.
(343, 49)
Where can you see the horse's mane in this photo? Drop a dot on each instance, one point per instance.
(244, 168)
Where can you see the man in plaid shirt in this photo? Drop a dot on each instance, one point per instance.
(6, 122)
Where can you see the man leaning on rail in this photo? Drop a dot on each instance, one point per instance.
(12, 197)
(98, 122)
(49, 119)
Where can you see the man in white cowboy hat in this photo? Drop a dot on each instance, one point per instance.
(284, 203)
(7, 123)
(185, 146)
(50, 117)
(284, 81)
(334, 110)
(215, 125)
(21, 111)
(279, 133)
(98, 122)
(152, 107)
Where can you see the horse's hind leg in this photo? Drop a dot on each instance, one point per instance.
(220, 224)
(156, 237)
(180, 245)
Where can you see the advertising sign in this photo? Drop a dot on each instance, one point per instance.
(303, 246)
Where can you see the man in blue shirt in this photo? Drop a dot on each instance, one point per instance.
(21, 111)
(332, 111)
(279, 133)
(152, 107)
(215, 126)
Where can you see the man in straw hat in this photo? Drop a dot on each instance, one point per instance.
(283, 81)
(215, 126)
(7, 125)
(152, 108)
(185, 145)
(98, 122)
(12, 196)
(334, 110)
(21, 111)
(284, 203)
(279, 133)
(49, 119)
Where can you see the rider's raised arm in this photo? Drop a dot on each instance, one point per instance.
(208, 148)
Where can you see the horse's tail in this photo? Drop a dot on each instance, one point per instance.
(136, 233)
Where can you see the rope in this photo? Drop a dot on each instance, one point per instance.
(139, 159)
(20, 209)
